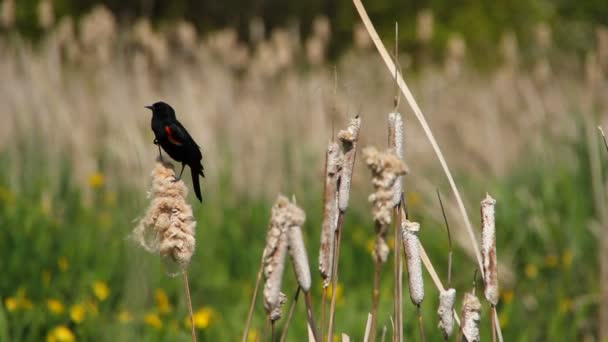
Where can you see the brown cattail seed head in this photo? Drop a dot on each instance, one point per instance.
(297, 249)
(395, 141)
(168, 227)
(348, 139)
(330, 212)
(412, 254)
(447, 299)
(471, 315)
(488, 250)
(284, 216)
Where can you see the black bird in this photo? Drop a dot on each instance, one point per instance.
(177, 142)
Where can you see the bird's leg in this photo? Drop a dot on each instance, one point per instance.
(180, 173)
(160, 155)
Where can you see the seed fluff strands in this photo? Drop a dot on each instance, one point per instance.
(411, 245)
(282, 217)
(330, 212)
(395, 141)
(349, 138)
(168, 226)
(447, 298)
(488, 250)
(386, 167)
(471, 315)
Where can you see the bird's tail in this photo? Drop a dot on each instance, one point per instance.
(196, 182)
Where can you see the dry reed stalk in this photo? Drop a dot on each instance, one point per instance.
(168, 227)
(471, 315)
(425, 126)
(395, 141)
(253, 298)
(385, 167)
(292, 309)
(488, 251)
(447, 299)
(349, 138)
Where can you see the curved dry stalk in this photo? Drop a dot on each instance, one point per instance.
(292, 309)
(189, 302)
(332, 307)
(253, 298)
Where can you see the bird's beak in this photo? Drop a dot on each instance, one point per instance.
(150, 107)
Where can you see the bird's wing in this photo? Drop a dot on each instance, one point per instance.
(177, 134)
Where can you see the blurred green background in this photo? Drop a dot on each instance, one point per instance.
(513, 90)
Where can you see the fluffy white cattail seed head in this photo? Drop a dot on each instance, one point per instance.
(284, 216)
(488, 250)
(330, 212)
(385, 168)
(447, 299)
(168, 226)
(471, 315)
(348, 139)
(412, 254)
(297, 249)
(395, 141)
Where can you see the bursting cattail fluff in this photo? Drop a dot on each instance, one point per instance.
(447, 298)
(296, 247)
(385, 168)
(348, 138)
(471, 315)
(488, 250)
(412, 254)
(395, 141)
(284, 215)
(330, 212)
(168, 226)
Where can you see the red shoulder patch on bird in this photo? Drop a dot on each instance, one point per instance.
(171, 137)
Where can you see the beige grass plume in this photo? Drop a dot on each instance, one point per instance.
(348, 138)
(386, 167)
(284, 216)
(330, 212)
(168, 227)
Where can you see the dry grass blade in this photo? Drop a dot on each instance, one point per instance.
(292, 309)
(253, 298)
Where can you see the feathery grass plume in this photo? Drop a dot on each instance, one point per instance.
(348, 138)
(168, 226)
(488, 250)
(471, 315)
(285, 215)
(411, 245)
(386, 167)
(447, 299)
(395, 141)
(330, 212)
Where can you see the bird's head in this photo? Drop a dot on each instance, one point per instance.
(162, 110)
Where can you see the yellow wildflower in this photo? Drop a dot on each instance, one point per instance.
(551, 260)
(531, 271)
(153, 320)
(507, 296)
(339, 292)
(253, 335)
(162, 301)
(61, 333)
(567, 258)
(202, 318)
(124, 316)
(77, 313)
(55, 306)
(63, 264)
(96, 180)
(11, 304)
(101, 290)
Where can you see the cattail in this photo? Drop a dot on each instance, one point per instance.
(488, 250)
(424, 26)
(168, 226)
(330, 212)
(412, 254)
(471, 315)
(296, 247)
(7, 13)
(386, 167)
(447, 298)
(46, 16)
(395, 141)
(284, 216)
(348, 138)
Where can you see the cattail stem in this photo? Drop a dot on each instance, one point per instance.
(253, 298)
(309, 315)
(323, 310)
(420, 325)
(493, 323)
(189, 302)
(397, 272)
(292, 309)
(332, 309)
(375, 294)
